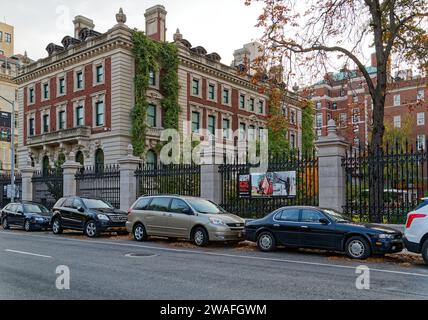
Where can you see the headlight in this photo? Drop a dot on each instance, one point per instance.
(103, 217)
(217, 222)
(386, 236)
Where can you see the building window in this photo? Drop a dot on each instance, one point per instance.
(261, 107)
(319, 120)
(226, 128)
(226, 96)
(242, 131)
(397, 100)
(61, 120)
(211, 91)
(334, 106)
(342, 120)
(420, 141)
(31, 95)
(99, 113)
(293, 140)
(45, 166)
(355, 115)
(293, 117)
(252, 102)
(195, 87)
(31, 127)
(251, 133)
(420, 95)
(397, 122)
(99, 161)
(195, 121)
(45, 123)
(79, 116)
(421, 119)
(242, 101)
(211, 125)
(46, 91)
(61, 86)
(1, 36)
(99, 74)
(318, 105)
(152, 78)
(7, 37)
(79, 80)
(151, 159)
(151, 115)
(80, 158)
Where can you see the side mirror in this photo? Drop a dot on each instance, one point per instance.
(188, 211)
(81, 209)
(324, 221)
(20, 212)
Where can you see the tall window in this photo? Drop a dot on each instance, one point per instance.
(251, 133)
(62, 86)
(397, 122)
(226, 96)
(80, 158)
(45, 166)
(420, 141)
(8, 37)
(397, 100)
(31, 95)
(79, 116)
(242, 101)
(151, 158)
(211, 124)
(261, 107)
(151, 115)
(342, 120)
(61, 120)
(45, 123)
(420, 95)
(195, 121)
(79, 80)
(99, 74)
(99, 113)
(293, 140)
(211, 91)
(242, 131)
(45, 91)
(152, 78)
(319, 120)
(318, 105)
(1, 36)
(252, 103)
(226, 128)
(31, 127)
(355, 115)
(195, 87)
(61, 159)
(421, 119)
(99, 161)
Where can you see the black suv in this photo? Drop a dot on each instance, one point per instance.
(92, 216)
(27, 215)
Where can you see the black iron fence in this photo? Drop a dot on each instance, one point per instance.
(181, 179)
(5, 183)
(100, 183)
(290, 180)
(401, 173)
(47, 186)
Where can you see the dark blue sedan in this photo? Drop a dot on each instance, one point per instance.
(310, 227)
(27, 215)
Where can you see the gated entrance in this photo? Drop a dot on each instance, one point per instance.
(290, 180)
(47, 186)
(5, 181)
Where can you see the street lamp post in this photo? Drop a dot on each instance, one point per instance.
(12, 153)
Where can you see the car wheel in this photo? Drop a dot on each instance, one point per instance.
(357, 248)
(425, 251)
(57, 226)
(91, 229)
(200, 237)
(27, 225)
(5, 224)
(139, 233)
(266, 242)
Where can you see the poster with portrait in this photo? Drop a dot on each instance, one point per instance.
(274, 184)
(244, 186)
(261, 185)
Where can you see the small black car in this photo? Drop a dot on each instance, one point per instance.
(309, 227)
(92, 216)
(28, 215)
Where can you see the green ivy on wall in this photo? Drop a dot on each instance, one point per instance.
(157, 56)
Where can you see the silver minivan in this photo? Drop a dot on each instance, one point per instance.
(182, 217)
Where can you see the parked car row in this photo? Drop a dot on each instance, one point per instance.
(202, 221)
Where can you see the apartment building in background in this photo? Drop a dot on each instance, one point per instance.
(79, 99)
(344, 97)
(6, 40)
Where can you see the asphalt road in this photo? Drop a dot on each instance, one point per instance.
(103, 269)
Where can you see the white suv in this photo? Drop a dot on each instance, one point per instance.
(416, 234)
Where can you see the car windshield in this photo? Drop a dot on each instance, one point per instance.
(36, 208)
(96, 204)
(205, 207)
(336, 216)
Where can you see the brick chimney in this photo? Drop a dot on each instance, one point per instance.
(156, 23)
(81, 22)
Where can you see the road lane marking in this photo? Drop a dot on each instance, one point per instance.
(319, 264)
(28, 253)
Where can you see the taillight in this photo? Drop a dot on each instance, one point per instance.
(412, 217)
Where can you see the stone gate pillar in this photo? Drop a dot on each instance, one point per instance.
(27, 183)
(128, 181)
(70, 168)
(331, 175)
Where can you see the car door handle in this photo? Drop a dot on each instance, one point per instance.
(304, 227)
(276, 225)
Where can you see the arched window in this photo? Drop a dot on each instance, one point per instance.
(99, 161)
(33, 164)
(61, 159)
(80, 158)
(45, 165)
(151, 158)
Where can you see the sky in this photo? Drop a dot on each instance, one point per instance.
(220, 26)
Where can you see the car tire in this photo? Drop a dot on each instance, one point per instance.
(139, 232)
(27, 225)
(5, 224)
(266, 242)
(200, 237)
(91, 229)
(425, 251)
(57, 226)
(357, 248)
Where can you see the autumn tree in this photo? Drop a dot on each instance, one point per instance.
(277, 125)
(308, 133)
(317, 35)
